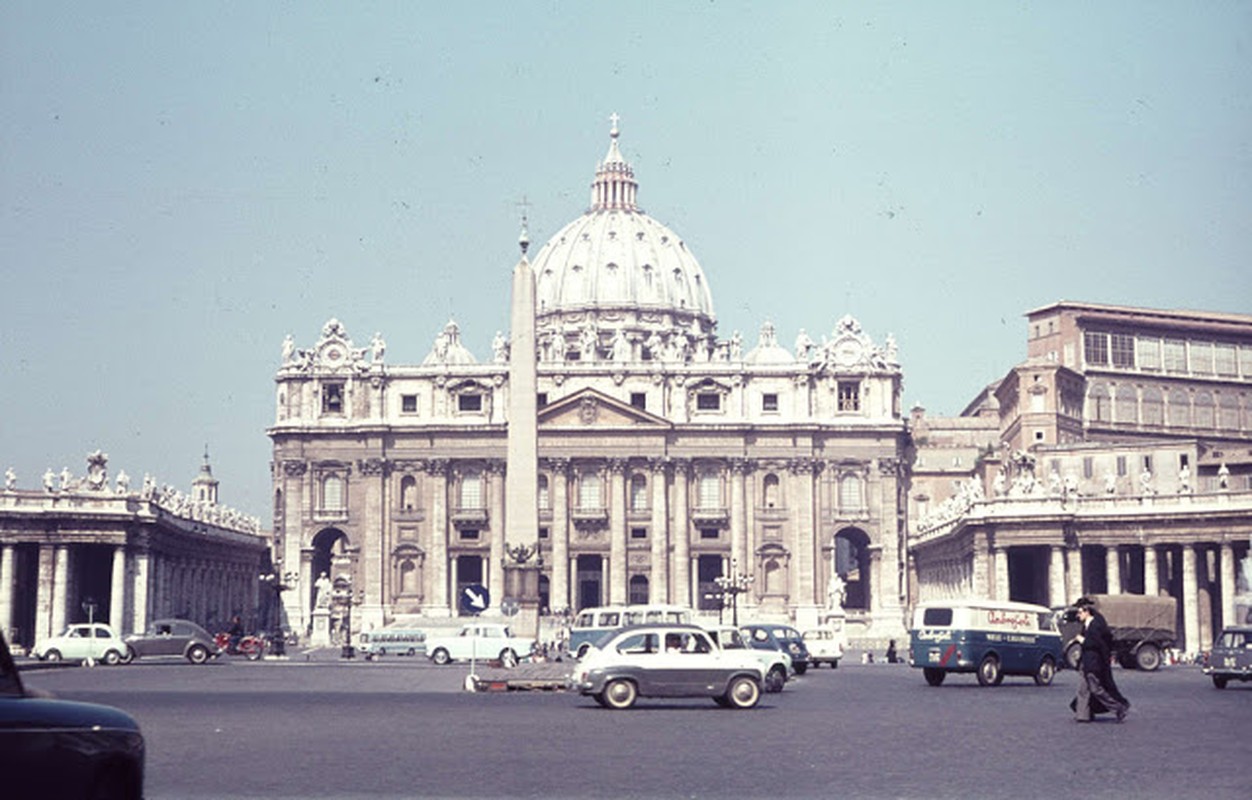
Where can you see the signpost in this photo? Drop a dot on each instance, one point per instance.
(89, 605)
(474, 600)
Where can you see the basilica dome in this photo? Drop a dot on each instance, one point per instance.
(616, 268)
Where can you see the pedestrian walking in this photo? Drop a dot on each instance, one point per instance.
(1097, 690)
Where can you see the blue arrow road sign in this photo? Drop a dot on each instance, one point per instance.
(475, 599)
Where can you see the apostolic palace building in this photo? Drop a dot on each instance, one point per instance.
(623, 449)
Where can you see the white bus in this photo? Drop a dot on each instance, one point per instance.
(592, 623)
(392, 641)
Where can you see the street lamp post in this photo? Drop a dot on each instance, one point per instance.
(344, 596)
(280, 582)
(732, 585)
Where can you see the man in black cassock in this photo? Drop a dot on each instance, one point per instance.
(1097, 691)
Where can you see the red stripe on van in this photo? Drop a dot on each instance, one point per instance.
(947, 655)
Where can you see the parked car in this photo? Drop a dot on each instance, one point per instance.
(1231, 657)
(784, 638)
(62, 749)
(484, 641)
(776, 666)
(1143, 627)
(667, 661)
(82, 641)
(173, 637)
(825, 644)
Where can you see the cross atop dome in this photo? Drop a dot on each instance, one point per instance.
(614, 187)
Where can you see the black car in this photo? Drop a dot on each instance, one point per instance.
(784, 638)
(1231, 657)
(63, 749)
(172, 637)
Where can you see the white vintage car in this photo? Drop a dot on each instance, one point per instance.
(485, 641)
(80, 642)
(775, 665)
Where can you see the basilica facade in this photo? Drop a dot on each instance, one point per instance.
(668, 455)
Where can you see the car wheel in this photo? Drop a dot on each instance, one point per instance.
(599, 698)
(775, 679)
(440, 657)
(1220, 681)
(934, 676)
(1148, 658)
(1046, 672)
(111, 657)
(743, 692)
(989, 671)
(508, 658)
(1073, 654)
(620, 694)
(53, 655)
(198, 654)
(801, 667)
(130, 655)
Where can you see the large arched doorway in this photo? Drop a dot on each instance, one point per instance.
(851, 548)
(330, 557)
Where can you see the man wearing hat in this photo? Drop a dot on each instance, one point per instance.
(1097, 691)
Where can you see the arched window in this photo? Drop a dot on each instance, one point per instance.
(851, 498)
(1153, 406)
(1098, 403)
(1179, 411)
(332, 493)
(408, 493)
(471, 490)
(709, 490)
(638, 492)
(589, 490)
(638, 589)
(1205, 411)
(772, 500)
(1126, 404)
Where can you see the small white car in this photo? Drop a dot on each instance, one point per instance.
(83, 641)
(825, 645)
(775, 665)
(485, 641)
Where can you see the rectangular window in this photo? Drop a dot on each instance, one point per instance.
(1122, 350)
(1224, 356)
(543, 533)
(708, 533)
(769, 401)
(1148, 353)
(1201, 357)
(1121, 466)
(639, 400)
(469, 402)
(332, 398)
(469, 534)
(408, 403)
(1088, 467)
(541, 399)
(709, 491)
(639, 533)
(1245, 361)
(849, 395)
(1175, 351)
(708, 401)
(1095, 348)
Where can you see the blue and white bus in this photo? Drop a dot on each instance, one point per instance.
(986, 637)
(593, 623)
(393, 642)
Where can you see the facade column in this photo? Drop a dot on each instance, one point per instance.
(139, 593)
(606, 576)
(658, 585)
(573, 583)
(617, 531)
(495, 511)
(6, 591)
(43, 594)
(117, 592)
(1003, 589)
(1190, 596)
(738, 514)
(60, 586)
(992, 558)
(562, 574)
(1151, 575)
(1056, 577)
(1113, 568)
(1074, 572)
(680, 532)
(439, 561)
(305, 591)
(1227, 568)
(803, 535)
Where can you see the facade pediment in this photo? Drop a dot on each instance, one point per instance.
(589, 408)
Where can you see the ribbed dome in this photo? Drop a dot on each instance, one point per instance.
(615, 266)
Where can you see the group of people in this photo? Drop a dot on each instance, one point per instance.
(1097, 690)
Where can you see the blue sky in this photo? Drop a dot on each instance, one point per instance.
(184, 184)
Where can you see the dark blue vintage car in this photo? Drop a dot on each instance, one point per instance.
(63, 749)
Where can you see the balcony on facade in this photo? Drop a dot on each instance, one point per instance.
(714, 516)
(330, 515)
(771, 514)
(469, 517)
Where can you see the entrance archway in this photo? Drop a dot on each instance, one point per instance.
(852, 565)
(330, 556)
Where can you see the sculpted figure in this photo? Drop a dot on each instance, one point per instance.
(998, 487)
(1110, 483)
(499, 348)
(621, 346)
(10, 479)
(1184, 480)
(289, 349)
(66, 478)
(804, 347)
(1145, 483)
(321, 591)
(123, 482)
(49, 480)
(736, 346)
(379, 346)
(1223, 476)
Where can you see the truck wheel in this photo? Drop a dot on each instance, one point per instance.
(620, 694)
(934, 676)
(1220, 681)
(989, 673)
(1148, 657)
(1046, 672)
(1073, 654)
(440, 657)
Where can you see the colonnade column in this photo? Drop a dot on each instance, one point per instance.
(60, 578)
(1227, 567)
(1073, 572)
(559, 589)
(681, 533)
(1056, 577)
(139, 593)
(43, 593)
(117, 592)
(617, 531)
(1151, 575)
(1190, 613)
(658, 585)
(1003, 589)
(992, 558)
(6, 590)
(1113, 568)
(438, 471)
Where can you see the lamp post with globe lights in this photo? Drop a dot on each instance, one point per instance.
(279, 582)
(733, 585)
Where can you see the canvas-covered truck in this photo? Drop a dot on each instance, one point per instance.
(1143, 627)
